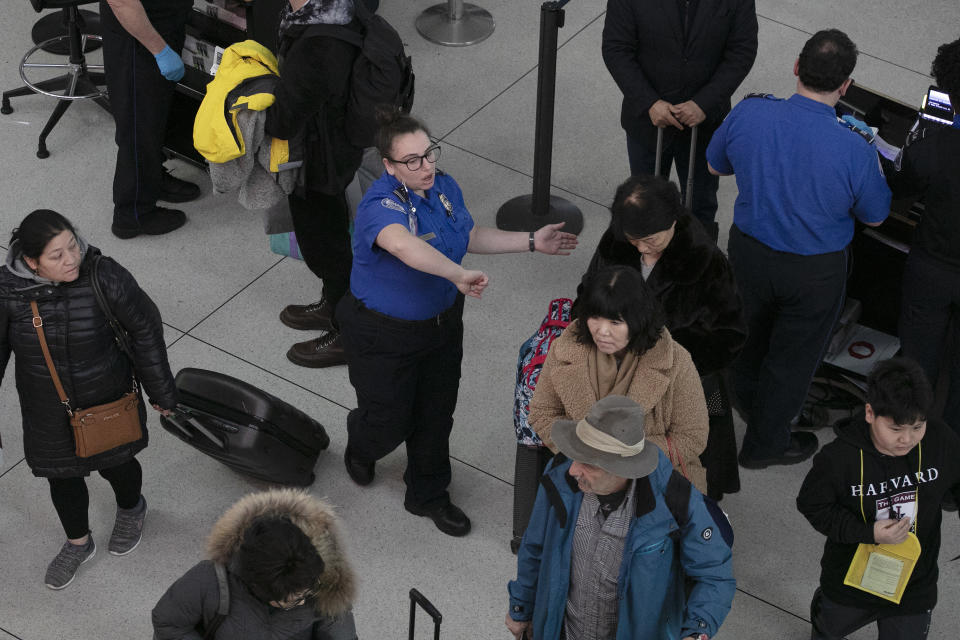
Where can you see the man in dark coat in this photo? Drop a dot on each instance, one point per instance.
(677, 63)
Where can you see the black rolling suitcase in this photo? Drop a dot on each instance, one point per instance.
(246, 428)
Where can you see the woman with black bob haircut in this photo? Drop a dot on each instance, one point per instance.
(402, 321)
(691, 278)
(276, 557)
(617, 344)
(50, 264)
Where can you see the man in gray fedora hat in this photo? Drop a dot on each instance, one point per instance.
(613, 536)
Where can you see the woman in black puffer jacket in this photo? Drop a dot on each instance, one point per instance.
(49, 263)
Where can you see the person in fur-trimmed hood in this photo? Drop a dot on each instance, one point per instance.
(287, 574)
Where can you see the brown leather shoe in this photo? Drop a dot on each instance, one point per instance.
(316, 316)
(325, 351)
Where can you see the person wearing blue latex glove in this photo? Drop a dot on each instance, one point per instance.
(859, 126)
(171, 65)
(142, 40)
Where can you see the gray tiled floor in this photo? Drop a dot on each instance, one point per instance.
(220, 289)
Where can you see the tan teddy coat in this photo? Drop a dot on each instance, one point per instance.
(666, 384)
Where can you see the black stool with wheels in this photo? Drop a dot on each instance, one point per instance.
(79, 81)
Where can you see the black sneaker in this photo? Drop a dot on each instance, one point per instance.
(325, 351)
(155, 222)
(316, 316)
(803, 444)
(173, 189)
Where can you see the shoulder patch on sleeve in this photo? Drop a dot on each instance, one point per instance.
(766, 96)
(391, 204)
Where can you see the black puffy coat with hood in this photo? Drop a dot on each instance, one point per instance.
(193, 599)
(88, 360)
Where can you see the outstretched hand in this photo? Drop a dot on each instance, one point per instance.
(550, 240)
(472, 283)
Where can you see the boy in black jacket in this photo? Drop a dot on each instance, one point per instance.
(908, 465)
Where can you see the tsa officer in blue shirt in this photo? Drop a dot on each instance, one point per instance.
(402, 320)
(803, 177)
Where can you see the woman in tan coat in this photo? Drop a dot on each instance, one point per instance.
(618, 344)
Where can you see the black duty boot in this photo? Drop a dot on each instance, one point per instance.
(325, 351)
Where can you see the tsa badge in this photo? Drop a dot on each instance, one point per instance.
(447, 205)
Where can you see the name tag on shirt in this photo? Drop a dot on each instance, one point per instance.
(428, 236)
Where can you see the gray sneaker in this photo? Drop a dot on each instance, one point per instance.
(128, 529)
(63, 569)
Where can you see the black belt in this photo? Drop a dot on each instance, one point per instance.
(451, 312)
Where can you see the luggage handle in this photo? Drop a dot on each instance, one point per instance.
(417, 598)
(688, 194)
(184, 415)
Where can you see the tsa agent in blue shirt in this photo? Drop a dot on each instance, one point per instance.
(402, 320)
(803, 177)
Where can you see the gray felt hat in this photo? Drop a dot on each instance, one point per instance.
(610, 437)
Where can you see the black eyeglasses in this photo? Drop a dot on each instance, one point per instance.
(294, 601)
(431, 155)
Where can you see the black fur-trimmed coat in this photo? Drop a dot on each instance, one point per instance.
(694, 284)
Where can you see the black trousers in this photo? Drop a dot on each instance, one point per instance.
(832, 621)
(71, 499)
(140, 101)
(676, 149)
(406, 375)
(929, 309)
(321, 223)
(791, 303)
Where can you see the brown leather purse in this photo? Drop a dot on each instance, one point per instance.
(104, 426)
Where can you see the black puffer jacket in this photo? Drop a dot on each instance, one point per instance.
(91, 366)
(695, 286)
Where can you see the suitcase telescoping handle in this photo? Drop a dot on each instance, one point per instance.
(688, 199)
(183, 421)
(417, 598)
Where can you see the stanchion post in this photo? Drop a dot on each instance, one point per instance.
(530, 212)
(455, 23)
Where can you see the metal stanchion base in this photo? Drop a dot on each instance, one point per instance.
(474, 26)
(50, 26)
(516, 214)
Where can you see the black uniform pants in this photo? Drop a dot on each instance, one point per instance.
(139, 100)
(676, 149)
(406, 375)
(321, 223)
(791, 303)
(832, 621)
(930, 307)
(71, 499)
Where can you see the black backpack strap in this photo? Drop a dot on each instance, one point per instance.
(338, 31)
(223, 606)
(119, 333)
(677, 499)
(553, 496)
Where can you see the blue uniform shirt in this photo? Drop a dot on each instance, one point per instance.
(385, 284)
(801, 175)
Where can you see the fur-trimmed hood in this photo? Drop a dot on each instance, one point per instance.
(337, 584)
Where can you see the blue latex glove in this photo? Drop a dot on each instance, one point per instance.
(860, 126)
(171, 66)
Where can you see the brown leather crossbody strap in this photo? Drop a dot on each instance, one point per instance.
(38, 325)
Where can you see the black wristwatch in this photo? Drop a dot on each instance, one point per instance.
(533, 245)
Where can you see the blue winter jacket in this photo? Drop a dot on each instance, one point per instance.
(650, 587)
